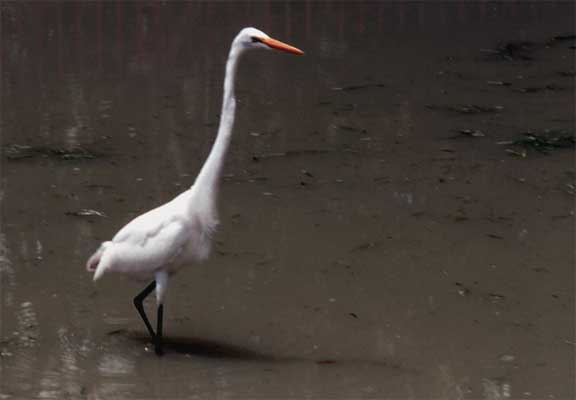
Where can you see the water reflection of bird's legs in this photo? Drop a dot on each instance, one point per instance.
(139, 304)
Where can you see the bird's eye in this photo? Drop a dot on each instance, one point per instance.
(256, 39)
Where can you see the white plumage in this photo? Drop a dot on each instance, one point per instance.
(157, 243)
(166, 237)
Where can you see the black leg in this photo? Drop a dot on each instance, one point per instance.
(158, 338)
(139, 304)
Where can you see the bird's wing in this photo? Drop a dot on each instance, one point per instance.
(153, 238)
(148, 249)
(148, 224)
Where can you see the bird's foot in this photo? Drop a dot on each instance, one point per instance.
(158, 347)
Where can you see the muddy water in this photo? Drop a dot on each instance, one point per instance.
(381, 237)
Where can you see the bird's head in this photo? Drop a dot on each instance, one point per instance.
(252, 38)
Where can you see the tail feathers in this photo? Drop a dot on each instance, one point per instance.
(98, 263)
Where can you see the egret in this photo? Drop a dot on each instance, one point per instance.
(159, 242)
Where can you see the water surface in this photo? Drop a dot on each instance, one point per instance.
(380, 238)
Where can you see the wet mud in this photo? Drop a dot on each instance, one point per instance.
(397, 206)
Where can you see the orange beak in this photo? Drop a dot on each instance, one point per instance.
(278, 45)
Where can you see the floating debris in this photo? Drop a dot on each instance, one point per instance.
(546, 140)
(523, 50)
(295, 153)
(73, 154)
(538, 89)
(511, 51)
(507, 358)
(471, 132)
(468, 109)
(86, 213)
(17, 152)
(498, 83)
(350, 128)
(358, 87)
(569, 188)
(560, 39)
(120, 331)
(521, 154)
(462, 290)
(495, 297)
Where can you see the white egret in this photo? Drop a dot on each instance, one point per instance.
(157, 243)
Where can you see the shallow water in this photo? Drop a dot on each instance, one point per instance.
(368, 247)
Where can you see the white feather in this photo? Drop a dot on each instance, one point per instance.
(160, 241)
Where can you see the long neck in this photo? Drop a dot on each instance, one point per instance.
(207, 180)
